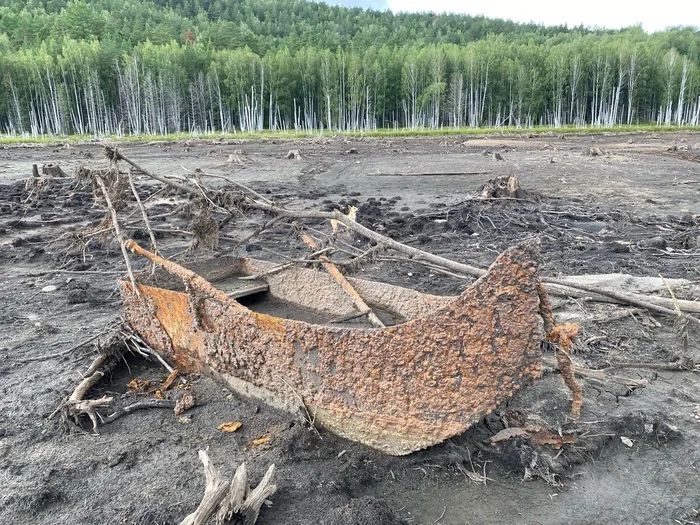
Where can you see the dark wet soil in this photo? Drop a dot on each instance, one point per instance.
(634, 210)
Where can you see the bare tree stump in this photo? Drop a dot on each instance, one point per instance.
(52, 170)
(594, 152)
(235, 502)
(506, 186)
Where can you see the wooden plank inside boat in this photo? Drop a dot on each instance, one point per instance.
(237, 288)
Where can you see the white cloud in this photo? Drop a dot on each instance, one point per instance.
(610, 14)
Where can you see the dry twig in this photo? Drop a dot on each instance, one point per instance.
(598, 375)
(117, 231)
(144, 215)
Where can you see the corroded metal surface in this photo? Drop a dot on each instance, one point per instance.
(318, 291)
(398, 389)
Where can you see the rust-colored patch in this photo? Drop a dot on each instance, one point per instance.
(141, 386)
(170, 379)
(268, 323)
(138, 385)
(544, 436)
(398, 389)
(231, 426)
(563, 335)
(257, 442)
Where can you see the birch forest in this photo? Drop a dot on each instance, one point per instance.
(140, 67)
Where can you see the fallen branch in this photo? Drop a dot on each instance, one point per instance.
(625, 298)
(681, 323)
(117, 230)
(309, 420)
(248, 237)
(73, 272)
(236, 502)
(114, 154)
(346, 318)
(237, 184)
(681, 366)
(431, 174)
(144, 215)
(147, 403)
(348, 288)
(599, 375)
(288, 264)
(428, 265)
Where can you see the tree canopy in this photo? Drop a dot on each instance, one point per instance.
(161, 66)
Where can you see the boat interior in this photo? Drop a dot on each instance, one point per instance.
(317, 300)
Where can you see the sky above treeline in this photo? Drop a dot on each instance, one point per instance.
(610, 14)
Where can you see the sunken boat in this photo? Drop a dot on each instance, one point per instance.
(291, 337)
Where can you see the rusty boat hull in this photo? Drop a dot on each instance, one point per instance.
(446, 364)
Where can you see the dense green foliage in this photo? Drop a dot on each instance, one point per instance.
(161, 66)
(261, 25)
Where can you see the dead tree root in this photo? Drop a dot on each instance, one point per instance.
(110, 354)
(139, 405)
(74, 406)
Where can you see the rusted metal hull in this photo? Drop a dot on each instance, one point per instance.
(397, 389)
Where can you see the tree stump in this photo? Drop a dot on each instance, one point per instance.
(53, 171)
(506, 186)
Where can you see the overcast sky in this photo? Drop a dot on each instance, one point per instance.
(613, 14)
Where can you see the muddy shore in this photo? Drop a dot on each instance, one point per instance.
(598, 204)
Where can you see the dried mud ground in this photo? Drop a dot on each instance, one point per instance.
(631, 208)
